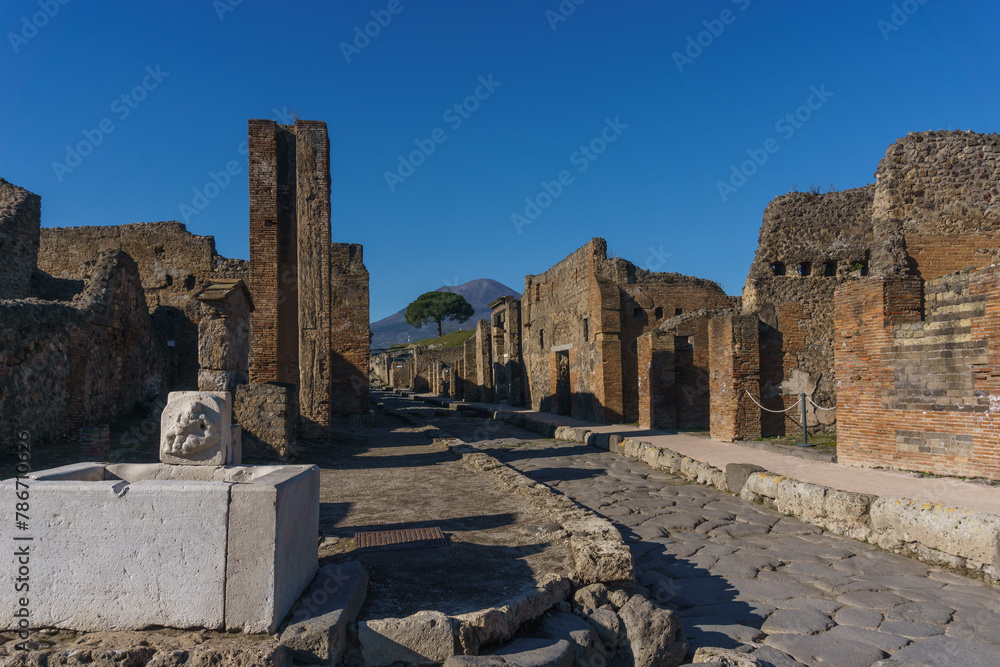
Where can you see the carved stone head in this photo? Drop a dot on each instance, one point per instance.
(195, 428)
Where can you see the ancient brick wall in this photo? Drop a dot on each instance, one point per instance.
(937, 204)
(918, 386)
(20, 216)
(808, 244)
(349, 322)
(508, 364)
(67, 365)
(734, 378)
(471, 387)
(592, 310)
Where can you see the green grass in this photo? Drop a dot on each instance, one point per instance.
(823, 442)
(453, 339)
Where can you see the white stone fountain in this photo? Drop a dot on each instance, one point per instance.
(196, 541)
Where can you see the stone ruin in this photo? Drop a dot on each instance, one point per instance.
(843, 284)
(196, 541)
(95, 320)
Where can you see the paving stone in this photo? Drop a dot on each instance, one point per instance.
(826, 650)
(871, 600)
(751, 590)
(824, 605)
(939, 651)
(910, 629)
(797, 621)
(859, 617)
(746, 613)
(881, 640)
(719, 631)
(921, 612)
(674, 521)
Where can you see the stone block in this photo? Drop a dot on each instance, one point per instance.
(158, 544)
(195, 428)
(236, 446)
(425, 638)
(212, 380)
(267, 413)
(273, 532)
(109, 555)
(317, 629)
(737, 474)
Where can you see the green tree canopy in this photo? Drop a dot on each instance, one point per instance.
(437, 307)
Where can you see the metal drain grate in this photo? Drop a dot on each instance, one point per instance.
(391, 540)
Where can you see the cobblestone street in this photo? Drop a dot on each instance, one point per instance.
(743, 575)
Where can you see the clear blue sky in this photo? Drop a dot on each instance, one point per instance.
(654, 187)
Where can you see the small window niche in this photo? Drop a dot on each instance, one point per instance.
(541, 339)
(805, 269)
(678, 311)
(829, 269)
(778, 268)
(586, 329)
(659, 313)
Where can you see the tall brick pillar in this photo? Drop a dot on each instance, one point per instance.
(657, 399)
(734, 370)
(484, 362)
(312, 159)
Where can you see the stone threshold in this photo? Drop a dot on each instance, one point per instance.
(964, 539)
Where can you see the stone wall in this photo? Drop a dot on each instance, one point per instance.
(174, 265)
(349, 322)
(734, 378)
(268, 414)
(20, 216)
(918, 383)
(68, 365)
(809, 244)
(581, 321)
(937, 204)
(505, 351)
(224, 336)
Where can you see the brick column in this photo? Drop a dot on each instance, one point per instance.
(657, 397)
(734, 370)
(484, 362)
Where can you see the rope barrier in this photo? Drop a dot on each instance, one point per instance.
(769, 410)
(819, 407)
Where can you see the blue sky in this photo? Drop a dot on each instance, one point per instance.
(596, 97)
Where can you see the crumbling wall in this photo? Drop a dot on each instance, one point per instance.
(808, 244)
(173, 264)
(20, 216)
(917, 373)
(581, 321)
(67, 365)
(937, 204)
(508, 364)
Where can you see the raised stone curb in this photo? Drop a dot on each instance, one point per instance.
(317, 630)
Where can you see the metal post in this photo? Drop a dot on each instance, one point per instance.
(805, 434)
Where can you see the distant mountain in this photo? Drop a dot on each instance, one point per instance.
(479, 293)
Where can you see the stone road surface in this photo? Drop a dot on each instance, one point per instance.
(739, 573)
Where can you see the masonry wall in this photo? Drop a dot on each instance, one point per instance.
(917, 367)
(937, 204)
(20, 216)
(593, 310)
(68, 365)
(173, 266)
(349, 322)
(809, 243)
(734, 378)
